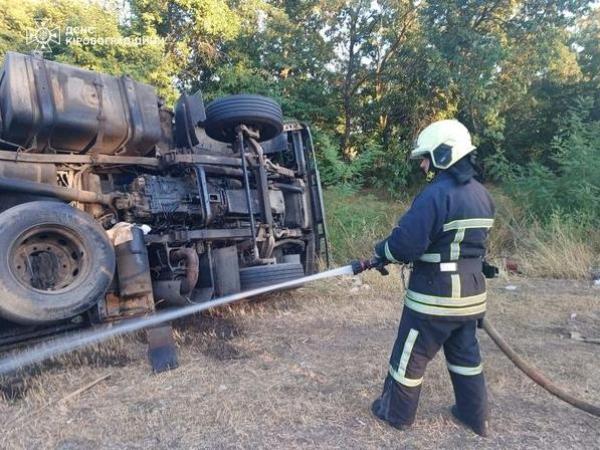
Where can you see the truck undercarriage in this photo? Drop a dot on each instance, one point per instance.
(112, 205)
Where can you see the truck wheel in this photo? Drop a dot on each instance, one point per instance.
(223, 115)
(56, 262)
(259, 276)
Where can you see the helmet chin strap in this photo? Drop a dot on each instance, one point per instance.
(430, 175)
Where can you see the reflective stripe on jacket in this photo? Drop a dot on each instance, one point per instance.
(443, 234)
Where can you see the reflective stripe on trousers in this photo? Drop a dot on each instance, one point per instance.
(465, 370)
(419, 339)
(399, 374)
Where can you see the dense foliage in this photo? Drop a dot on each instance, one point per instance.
(523, 75)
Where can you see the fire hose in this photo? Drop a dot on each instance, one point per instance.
(525, 366)
(534, 374)
(59, 346)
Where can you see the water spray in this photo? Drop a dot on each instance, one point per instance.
(74, 341)
(60, 346)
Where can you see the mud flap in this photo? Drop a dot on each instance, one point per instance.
(162, 352)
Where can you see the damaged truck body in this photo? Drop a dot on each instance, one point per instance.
(113, 205)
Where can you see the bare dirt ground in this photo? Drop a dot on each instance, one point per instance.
(300, 369)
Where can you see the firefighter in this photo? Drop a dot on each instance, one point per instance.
(443, 236)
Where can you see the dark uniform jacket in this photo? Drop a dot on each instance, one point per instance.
(443, 235)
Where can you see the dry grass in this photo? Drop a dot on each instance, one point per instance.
(561, 248)
(300, 368)
(508, 226)
(557, 251)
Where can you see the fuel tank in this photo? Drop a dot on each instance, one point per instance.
(47, 106)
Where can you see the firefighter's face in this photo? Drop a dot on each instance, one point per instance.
(425, 163)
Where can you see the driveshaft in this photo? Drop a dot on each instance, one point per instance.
(75, 341)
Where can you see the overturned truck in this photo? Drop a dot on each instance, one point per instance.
(113, 205)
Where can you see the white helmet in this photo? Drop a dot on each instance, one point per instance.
(445, 141)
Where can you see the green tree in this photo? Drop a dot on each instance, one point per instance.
(368, 75)
(194, 32)
(495, 55)
(91, 21)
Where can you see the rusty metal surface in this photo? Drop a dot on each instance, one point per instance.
(192, 265)
(292, 126)
(204, 158)
(133, 268)
(189, 200)
(113, 307)
(51, 158)
(28, 171)
(207, 234)
(162, 351)
(64, 193)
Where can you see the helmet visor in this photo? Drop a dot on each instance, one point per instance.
(442, 156)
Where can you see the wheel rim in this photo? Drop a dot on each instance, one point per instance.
(48, 258)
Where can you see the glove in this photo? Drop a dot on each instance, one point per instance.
(379, 264)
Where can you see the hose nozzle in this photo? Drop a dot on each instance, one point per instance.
(360, 265)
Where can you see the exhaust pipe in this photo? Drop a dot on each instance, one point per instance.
(192, 267)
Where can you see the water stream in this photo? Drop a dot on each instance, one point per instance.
(59, 346)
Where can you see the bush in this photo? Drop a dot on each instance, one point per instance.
(570, 185)
(333, 168)
(389, 169)
(374, 166)
(508, 226)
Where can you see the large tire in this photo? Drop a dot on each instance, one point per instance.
(223, 115)
(259, 276)
(56, 262)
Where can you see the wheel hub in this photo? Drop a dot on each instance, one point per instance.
(47, 258)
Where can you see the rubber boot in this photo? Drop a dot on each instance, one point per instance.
(377, 410)
(397, 405)
(478, 428)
